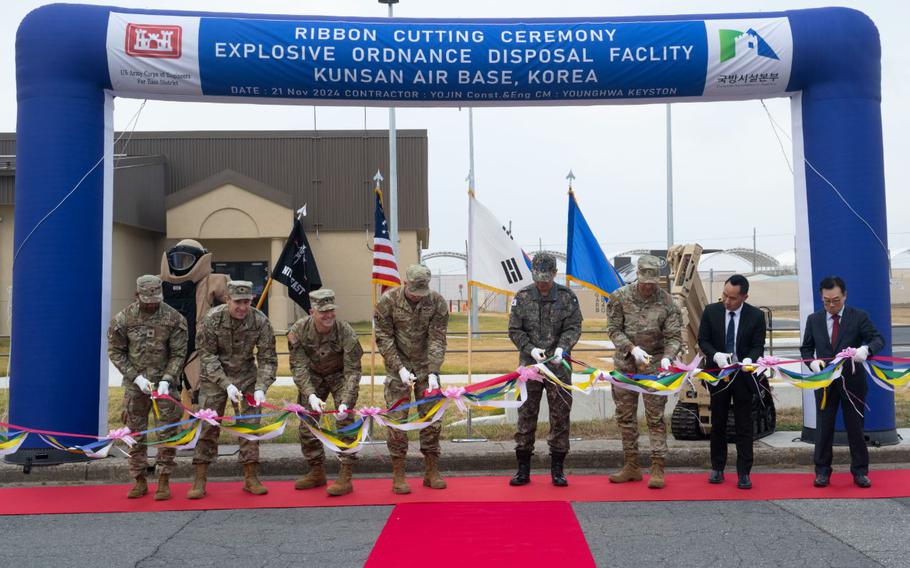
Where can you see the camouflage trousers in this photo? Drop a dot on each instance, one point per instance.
(627, 420)
(560, 402)
(312, 448)
(135, 416)
(214, 397)
(396, 390)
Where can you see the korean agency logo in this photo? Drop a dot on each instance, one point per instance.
(735, 42)
(153, 41)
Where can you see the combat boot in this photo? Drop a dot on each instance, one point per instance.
(656, 480)
(197, 491)
(431, 477)
(315, 478)
(163, 491)
(139, 489)
(342, 485)
(523, 476)
(251, 480)
(399, 480)
(631, 470)
(556, 462)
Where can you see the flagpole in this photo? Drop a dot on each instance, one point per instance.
(265, 293)
(471, 291)
(372, 340)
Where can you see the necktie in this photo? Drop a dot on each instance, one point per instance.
(835, 330)
(730, 340)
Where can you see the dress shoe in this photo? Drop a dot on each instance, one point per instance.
(717, 476)
(822, 480)
(862, 481)
(744, 481)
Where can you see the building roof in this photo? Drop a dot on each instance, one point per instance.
(223, 178)
(329, 171)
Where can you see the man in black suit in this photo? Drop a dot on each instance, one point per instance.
(732, 331)
(828, 332)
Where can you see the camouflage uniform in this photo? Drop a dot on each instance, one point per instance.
(323, 364)
(411, 335)
(654, 324)
(545, 322)
(152, 345)
(226, 346)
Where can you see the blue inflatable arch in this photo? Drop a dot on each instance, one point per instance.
(73, 60)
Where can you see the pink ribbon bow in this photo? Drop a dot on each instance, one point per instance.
(207, 415)
(456, 394)
(847, 353)
(295, 408)
(369, 411)
(122, 434)
(526, 374)
(690, 368)
(768, 363)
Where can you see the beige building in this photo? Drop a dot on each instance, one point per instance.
(237, 193)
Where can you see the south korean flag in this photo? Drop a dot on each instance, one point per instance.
(495, 261)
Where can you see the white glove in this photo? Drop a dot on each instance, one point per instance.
(143, 384)
(538, 354)
(434, 382)
(722, 359)
(641, 356)
(164, 388)
(816, 366)
(259, 397)
(407, 377)
(342, 411)
(316, 403)
(233, 394)
(861, 355)
(557, 355)
(665, 363)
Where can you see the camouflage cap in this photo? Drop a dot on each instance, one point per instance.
(543, 267)
(648, 269)
(240, 290)
(323, 300)
(418, 279)
(148, 287)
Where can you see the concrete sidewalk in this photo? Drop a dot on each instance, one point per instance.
(285, 460)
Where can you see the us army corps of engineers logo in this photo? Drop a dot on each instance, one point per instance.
(148, 40)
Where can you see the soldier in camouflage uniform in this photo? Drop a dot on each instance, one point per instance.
(234, 339)
(147, 343)
(644, 324)
(325, 359)
(545, 321)
(411, 323)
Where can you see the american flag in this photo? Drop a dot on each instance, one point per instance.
(385, 267)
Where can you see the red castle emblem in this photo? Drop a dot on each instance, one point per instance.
(144, 40)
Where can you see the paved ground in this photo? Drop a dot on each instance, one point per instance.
(816, 533)
(284, 460)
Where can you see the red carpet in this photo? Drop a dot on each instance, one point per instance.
(228, 495)
(500, 534)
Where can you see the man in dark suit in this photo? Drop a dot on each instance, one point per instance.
(828, 332)
(732, 331)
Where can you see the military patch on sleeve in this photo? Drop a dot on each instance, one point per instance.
(514, 301)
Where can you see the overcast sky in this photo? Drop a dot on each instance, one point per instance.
(729, 171)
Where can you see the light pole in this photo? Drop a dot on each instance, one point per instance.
(393, 165)
(669, 180)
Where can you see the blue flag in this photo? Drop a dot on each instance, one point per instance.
(586, 262)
